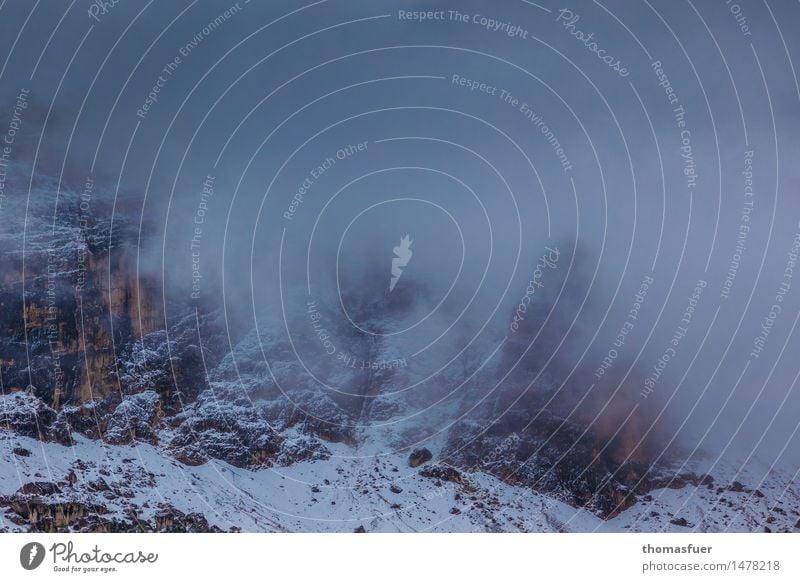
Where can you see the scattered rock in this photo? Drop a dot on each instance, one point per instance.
(39, 488)
(736, 487)
(444, 473)
(395, 489)
(44, 508)
(170, 519)
(98, 484)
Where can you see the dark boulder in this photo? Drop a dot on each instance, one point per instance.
(419, 456)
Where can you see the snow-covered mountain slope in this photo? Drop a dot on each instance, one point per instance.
(94, 487)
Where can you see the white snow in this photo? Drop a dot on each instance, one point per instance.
(349, 490)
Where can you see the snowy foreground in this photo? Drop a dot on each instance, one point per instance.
(357, 489)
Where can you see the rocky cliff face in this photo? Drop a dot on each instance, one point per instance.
(70, 299)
